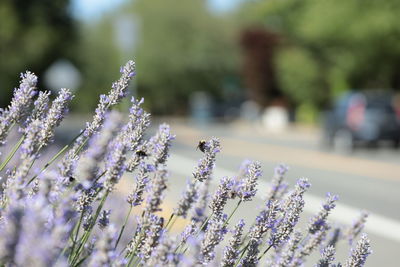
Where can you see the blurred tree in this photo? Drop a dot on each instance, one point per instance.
(183, 48)
(333, 45)
(99, 60)
(33, 34)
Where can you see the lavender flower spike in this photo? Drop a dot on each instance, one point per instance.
(221, 196)
(118, 91)
(55, 115)
(142, 179)
(115, 162)
(205, 166)
(40, 107)
(163, 254)
(104, 219)
(292, 208)
(157, 187)
(20, 104)
(360, 253)
(247, 189)
(288, 252)
(138, 122)
(199, 209)
(213, 236)
(161, 143)
(327, 257)
(152, 235)
(357, 226)
(277, 183)
(115, 95)
(104, 254)
(231, 252)
(87, 168)
(319, 220)
(265, 221)
(189, 196)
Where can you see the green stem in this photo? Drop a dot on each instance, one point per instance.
(88, 232)
(169, 220)
(242, 254)
(76, 235)
(265, 252)
(123, 226)
(172, 223)
(232, 213)
(55, 157)
(204, 224)
(12, 153)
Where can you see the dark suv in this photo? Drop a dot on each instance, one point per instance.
(368, 117)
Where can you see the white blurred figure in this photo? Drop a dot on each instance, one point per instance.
(275, 119)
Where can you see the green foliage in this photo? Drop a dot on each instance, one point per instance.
(298, 75)
(33, 34)
(183, 48)
(98, 59)
(352, 44)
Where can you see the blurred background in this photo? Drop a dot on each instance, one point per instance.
(311, 83)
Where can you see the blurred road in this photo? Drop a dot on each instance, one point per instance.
(367, 179)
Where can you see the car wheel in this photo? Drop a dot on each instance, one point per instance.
(343, 141)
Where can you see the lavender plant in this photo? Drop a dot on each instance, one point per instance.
(55, 215)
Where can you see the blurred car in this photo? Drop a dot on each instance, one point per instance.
(367, 117)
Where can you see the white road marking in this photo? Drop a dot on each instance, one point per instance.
(376, 224)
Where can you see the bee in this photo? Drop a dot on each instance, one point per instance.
(71, 179)
(141, 153)
(202, 145)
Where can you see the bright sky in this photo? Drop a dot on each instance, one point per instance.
(92, 9)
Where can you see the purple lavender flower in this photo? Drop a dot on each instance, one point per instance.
(220, 197)
(164, 254)
(10, 234)
(20, 104)
(327, 257)
(205, 166)
(40, 107)
(188, 232)
(118, 91)
(247, 188)
(357, 226)
(278, 186)
(115, 162)
(104, 219)
(231, 252)
(139, 120)
(199, 208)
(29, 148)
(55, 115)
(161, 143)
(360, 253)
(152, 235)
(88, 165)
(319, 220)
(188, 198)
(288, 252)
(142, 179)
(156, 191)
(309, 245)
(292, 208)
(104, 254)
(213, 236)
(265, 221)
